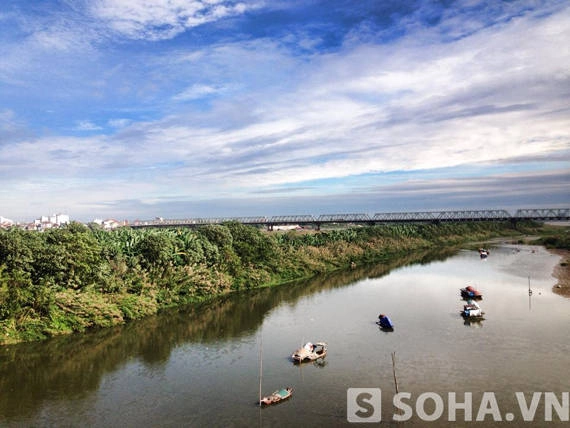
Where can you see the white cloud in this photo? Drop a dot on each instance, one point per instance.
(197, 91)
(119, 123)
(86, 125)
(162, 19)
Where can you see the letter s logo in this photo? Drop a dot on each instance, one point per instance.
(363, 405)
(363, 401)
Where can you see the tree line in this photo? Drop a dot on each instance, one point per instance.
(78, 277)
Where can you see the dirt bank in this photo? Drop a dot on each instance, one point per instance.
(562, 273)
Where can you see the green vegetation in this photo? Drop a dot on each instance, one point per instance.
(555, 237)
(75, 278)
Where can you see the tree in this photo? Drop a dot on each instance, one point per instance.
(155, 250)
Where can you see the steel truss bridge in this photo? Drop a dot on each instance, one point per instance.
(537, 214)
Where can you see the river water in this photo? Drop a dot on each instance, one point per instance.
(200, 366)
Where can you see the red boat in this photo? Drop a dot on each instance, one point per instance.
(470, 292)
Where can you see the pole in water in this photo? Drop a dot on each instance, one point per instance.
(260, 365)
(394, 370)
(529, 290)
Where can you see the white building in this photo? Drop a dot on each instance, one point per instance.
(54, 220)
(59, 219)
(287, 227)
(109, 223)
(6, 222)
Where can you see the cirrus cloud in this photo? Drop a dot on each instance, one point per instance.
(162, 19)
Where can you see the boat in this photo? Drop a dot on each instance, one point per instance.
(310, 352)
(483, 253)
(276, 396)
(471, 292)
(472, 310)
(385, 322)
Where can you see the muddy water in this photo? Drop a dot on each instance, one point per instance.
(200, 366)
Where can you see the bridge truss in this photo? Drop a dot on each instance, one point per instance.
(538, 214)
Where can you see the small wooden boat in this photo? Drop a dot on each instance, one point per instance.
(276, 396)
(310, 352)
(385, 322)
(472, 310)
(471, 292)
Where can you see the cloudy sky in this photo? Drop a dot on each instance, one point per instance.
(133, 109)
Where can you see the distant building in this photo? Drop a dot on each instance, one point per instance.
(109, 223)
(5, 223)
(287, 227)
(49, 222)
(59, 219)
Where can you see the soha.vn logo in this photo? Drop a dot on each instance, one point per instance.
(364, 405)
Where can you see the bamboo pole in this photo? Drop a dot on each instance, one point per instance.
(529, 289)
(260, 364)
(394, 370)
(529, 294)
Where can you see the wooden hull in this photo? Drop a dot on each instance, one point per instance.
(308, 358)
(276, 397)
(303, 354)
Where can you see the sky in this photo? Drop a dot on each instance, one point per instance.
(136, 109)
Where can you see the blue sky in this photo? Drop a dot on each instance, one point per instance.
(133, 109)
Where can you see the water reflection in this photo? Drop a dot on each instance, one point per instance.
(65, 368)
(473, 322)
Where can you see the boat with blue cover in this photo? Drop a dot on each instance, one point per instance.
(385, 322)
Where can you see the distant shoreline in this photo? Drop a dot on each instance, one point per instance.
(562, 273)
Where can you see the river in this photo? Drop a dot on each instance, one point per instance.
(200, 365)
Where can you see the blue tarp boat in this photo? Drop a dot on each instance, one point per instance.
(385, 322)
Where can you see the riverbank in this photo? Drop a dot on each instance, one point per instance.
(117, 277)
(562, 273)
